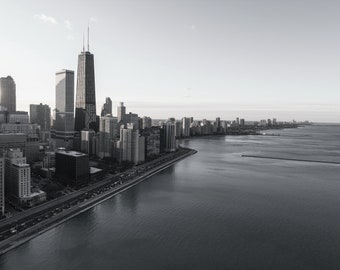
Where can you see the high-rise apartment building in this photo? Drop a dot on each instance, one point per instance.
(86, 93)
(185, 126)
(41, 114)
(147, 122)
(169, 136)
(17, 175)
(7, 94)
(63, 129)
(132, 118)
(108, 134)
(121, 110)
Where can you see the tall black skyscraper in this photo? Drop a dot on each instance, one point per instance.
(86, 94)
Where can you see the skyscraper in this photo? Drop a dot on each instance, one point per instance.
(7, 94)
(121, 110)
(169, 136)
(108, 134)
(107, 107)
(86, 94)
(41, 114)
(63, 129)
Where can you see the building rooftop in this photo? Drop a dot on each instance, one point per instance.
(71, 153)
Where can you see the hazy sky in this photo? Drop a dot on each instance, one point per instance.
(203, 58)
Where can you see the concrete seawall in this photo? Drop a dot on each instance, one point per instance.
(24, 236)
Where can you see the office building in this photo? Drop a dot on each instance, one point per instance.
(8, 141)
(8, 94)
(63, 129)
(41, 114)
(14, 117)
(72, 168)
(86, 93)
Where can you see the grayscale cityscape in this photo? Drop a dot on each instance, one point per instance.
(210, 171)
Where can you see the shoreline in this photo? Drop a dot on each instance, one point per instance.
(54, 221)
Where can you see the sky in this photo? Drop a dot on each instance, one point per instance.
(253, 59)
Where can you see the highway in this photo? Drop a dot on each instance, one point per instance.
(23, 226)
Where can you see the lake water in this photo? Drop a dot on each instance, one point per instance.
(213, 210)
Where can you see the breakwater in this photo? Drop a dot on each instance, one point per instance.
(293, 159)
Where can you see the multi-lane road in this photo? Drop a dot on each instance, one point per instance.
(25, 225)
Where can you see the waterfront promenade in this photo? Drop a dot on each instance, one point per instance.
(22, 227)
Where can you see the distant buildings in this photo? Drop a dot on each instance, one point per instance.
(107, 107)
(146, 122)
(7, 94)
(121, 110)
(133, 119)
(186, 126)
(86, 93)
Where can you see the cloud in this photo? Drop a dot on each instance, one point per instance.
(45, 19)
(68, 24)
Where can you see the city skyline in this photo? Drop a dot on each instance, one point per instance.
(195, 65)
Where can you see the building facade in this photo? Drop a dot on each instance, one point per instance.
(121, 110)
(41, 114)
(72, 168)
(169, 136)
(17, 176)
(63, 128)
(8, 94)
(86, 93)
(107, 107)
(108, 135)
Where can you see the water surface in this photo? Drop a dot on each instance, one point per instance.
(213, 210)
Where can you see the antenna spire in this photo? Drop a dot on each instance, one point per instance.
(83, 42)
(88, 37)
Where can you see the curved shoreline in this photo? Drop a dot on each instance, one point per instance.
(54, 221)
